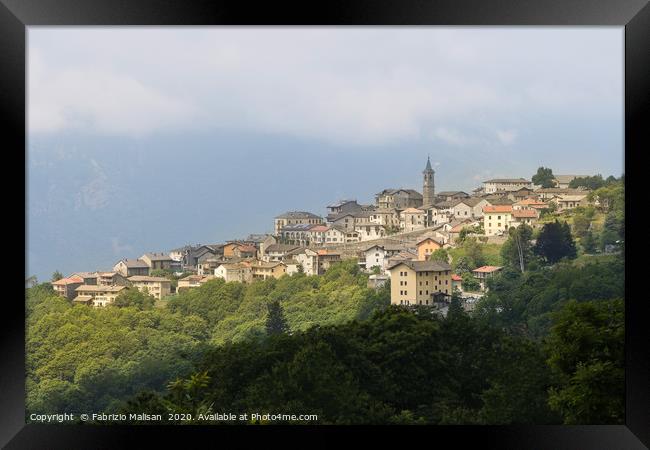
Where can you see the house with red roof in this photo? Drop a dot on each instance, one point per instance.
(485, 272)
(65, 287)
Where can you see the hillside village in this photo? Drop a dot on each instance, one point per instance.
(392, 238)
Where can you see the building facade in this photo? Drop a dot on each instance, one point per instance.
(496, 219)
(505, 185)
(295, 218)
(131, 267)
(418, 282)
(158, 287)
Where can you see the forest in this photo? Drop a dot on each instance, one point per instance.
(81, 358)
(545, 346)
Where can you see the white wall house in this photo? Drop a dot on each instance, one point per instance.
(377, 256)
(505, 185)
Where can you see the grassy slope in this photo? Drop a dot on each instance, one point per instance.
(492, 253)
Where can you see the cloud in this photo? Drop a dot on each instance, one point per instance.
(349, 86)
(452, 137)
(506, 137)
(100, 101)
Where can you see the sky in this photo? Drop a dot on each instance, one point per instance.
(148, 138)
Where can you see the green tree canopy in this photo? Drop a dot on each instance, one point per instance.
(593, 182)
(589, 243)
(441, 255)
(474, 251)
(275, 320)
(469, 282)
(517, 250)
(136, 298)
(555, 242)
(586, 354)
(56, 276)
(544, 177)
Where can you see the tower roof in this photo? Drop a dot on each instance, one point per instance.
(428, 167)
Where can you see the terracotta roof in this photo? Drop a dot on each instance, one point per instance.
(530, 201)
(525, 213)
(319, 229)
(455, 277)
(497, 209)
(487, 269)
(247, 248)
(70, 280)
(428, 239)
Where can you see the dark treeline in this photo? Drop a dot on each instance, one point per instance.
(544, 347)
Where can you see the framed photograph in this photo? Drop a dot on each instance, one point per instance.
(287, 224)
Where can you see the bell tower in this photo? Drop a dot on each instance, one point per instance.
(428, 190)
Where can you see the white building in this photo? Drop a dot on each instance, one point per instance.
(505, 185)
(377, 255)
(234, 272)
(307, 258)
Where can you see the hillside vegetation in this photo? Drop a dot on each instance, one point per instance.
(81, 358)
(544, 347)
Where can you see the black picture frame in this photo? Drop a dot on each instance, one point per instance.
(634, 15)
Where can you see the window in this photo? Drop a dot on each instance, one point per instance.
(420, 294)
